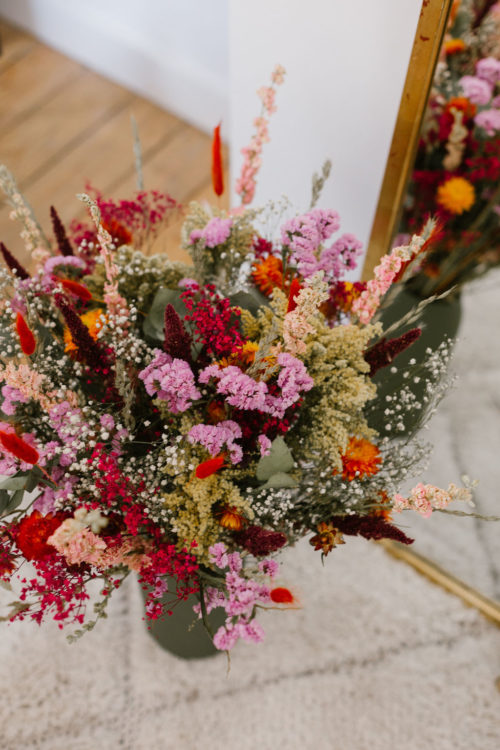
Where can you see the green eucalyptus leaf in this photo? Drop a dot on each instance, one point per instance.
(15, 500)
(154, 323)
(279, 460)
(280, 480)
(252, 300)
(4, 500)
(17, 482)
(33, 479)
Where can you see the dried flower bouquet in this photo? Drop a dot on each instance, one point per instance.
(189, 422)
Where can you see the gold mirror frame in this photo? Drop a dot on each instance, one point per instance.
(424, 56)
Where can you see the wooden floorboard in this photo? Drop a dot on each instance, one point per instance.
(15, 44)
(62, 126)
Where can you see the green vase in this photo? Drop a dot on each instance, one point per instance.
(182, 633)
(439, 321)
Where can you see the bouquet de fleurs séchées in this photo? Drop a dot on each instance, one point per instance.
(456, 176)
(188, 422)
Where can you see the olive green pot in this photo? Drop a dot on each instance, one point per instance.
(439, 321)
(182, 633)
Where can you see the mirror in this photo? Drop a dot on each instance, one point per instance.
(449, 168)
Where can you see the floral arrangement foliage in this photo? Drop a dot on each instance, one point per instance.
(189, 422)
(456, 175)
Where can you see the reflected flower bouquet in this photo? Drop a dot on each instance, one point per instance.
(189, 422)
(457, 169)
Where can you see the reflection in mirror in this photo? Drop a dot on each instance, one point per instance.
(455, 178)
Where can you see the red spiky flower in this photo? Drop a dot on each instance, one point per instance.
(18, 447)
(26, 336)
(217, 167)
(13, 264)
(295, 288)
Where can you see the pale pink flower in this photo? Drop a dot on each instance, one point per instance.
(424, 498)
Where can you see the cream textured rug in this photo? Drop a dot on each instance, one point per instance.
(377, 658)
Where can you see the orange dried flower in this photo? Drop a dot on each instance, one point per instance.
(231, 519)
(453, 46)
(268, 274)
(120, 234)
(383, 512)
(216, 412)
(26, 337)
(461, 104)
(90, 320)
(361, 459)
(244, 357)
(456, 195)
(327, 537)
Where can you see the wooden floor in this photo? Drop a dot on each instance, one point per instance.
(62, 125)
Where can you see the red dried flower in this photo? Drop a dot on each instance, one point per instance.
(19, 447)
(382, 354)
(209, 467)
(177, 342)
(295, 288)
(26, 337)
(63, 244)
(260, 542)
(281, 595)
(217, 168)
(33, 532)
(75, 288)
(12, 263)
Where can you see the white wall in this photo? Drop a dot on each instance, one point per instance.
(204, 60)
(346, 63)
(173, 51)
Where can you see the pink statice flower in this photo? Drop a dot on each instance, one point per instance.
(187, 283)
(218, 555)
(171, 380)
(12, 397)
(488, 69)
(293, 380)
(241, 390)
(264, 445)
(489, 120)
(304, 237)
(213, 234)
(269, 567)
(215, 437)
(477, 90)
(240, 598)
